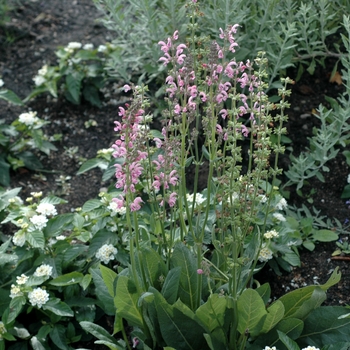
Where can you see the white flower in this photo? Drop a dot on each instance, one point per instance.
(113, 207)
(106, 253)
(29, 118)
(88, 46)
(199, 199)
(22, 279)
(310, 348)
(279, 217)
(16, 200)
(263, 198)
(43, 270)
(282, 204)
(3, 329)
(348, 179)
(15, 291)
(39, 80)
(19, 239)
(61, 238)
(1, 83)
(43, 70)
(74, 45)
(39, 221)
(46, 209)
(268, 348)
(102, 48)
(271, 234)
(38, 297)
(265, 253)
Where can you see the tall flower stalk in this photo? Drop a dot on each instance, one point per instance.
(218, 118)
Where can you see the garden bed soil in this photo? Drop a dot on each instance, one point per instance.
(30, 40)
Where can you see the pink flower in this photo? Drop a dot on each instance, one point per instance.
(176, 35)
(126, 88)
(119, 201)
(220, 54)
(172, 199)
(203, 96)
(222, 34)
(136, 204)
(177, 109)
(200, 272)
(223, 113)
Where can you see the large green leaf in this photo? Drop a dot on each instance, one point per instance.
(211, 314)
(171, 285)
(93, 163)
(109, 277)
(275, 313)
(58, 337)
(68, 279)
(288, 342)
(100, 333)
(324, 326)
(15, 308)
(251, 312)
(126, 301)
(178, 328)
(73, 83)
(152, 266)
(182, 257)
(58, 307)
(294, 300)
(36, 239)
(11, 97)
(102, 292)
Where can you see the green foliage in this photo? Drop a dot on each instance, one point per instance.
(293, 33)
(333, 132)
(17, 142)
(80, 73)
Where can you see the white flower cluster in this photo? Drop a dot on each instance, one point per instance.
(22, 279)
(19, 238)
(38, 297)
(265, 253)
(106, 253)
(1, 83)
(3, 329)
(268, 348)
(73, 46)
(16, 200)
(15, 291)
(40, 78)
(199, 199)
(113, 207)
(270, 234)
(29, 118)
(88, 47)
(43, 270)
(39, 221)
(282, 204)
(46, 209)
(102, 48)
(279, 216)
(310, 348)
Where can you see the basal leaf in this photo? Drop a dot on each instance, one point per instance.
(171, 285)
(182, 257)
(211, 314)
(126, 301)
(109, 277)
(102, 292)
(251, 311)
(324, 326)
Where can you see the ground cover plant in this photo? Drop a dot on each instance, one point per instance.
(175, 254)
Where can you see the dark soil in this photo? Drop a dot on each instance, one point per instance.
(30, 40)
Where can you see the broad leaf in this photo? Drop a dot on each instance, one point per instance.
(58, 307)
(109, 277)
(289, 343)
(324, 326)
(36, 239)
(126, 301)
(11, 97)
(274, 314)
(171, 285)
(67, 279)
(211, 314)
(251, 311)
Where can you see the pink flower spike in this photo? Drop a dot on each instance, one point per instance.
(172, 199)
(126, 88)
(136, 204)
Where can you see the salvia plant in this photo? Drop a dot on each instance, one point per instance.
(190, 281)
(168, 264)
(18, 142)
